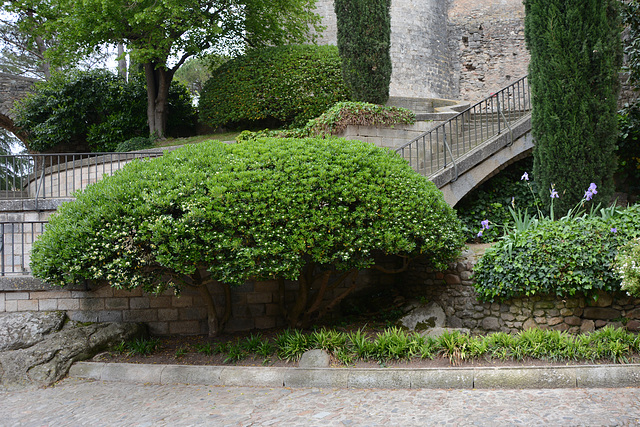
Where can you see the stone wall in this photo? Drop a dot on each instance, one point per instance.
(255, 305)
(487, 44)
(453, 290)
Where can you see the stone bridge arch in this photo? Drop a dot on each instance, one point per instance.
(480, 164)
(12, 88)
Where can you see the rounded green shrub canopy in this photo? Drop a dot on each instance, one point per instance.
(273, 86)
(262, 209)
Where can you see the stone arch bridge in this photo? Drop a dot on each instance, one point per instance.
(12, 88)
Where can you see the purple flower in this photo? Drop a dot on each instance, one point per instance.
(591, 191)
(485, 224)
(614, 230)
(480, 233)
(525, 177)
(554, 193)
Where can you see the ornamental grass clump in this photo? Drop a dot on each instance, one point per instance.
(311, 211)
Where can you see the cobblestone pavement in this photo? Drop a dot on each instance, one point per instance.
(76, 402)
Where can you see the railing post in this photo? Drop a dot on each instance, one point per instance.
(2, 249)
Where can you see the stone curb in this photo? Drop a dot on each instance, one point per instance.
(582, 376)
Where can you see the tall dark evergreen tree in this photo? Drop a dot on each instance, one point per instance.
(575, 58)
(364, 38)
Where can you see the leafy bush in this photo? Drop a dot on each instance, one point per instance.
(337, 118)
(275, 86)
(628, 267)
(565, 257)
(491, 201)
(268, 209)
(134, 144)
(94, 111)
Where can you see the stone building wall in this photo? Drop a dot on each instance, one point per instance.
(456, 49)
(453, 290)
(487, 45)
(419, 47)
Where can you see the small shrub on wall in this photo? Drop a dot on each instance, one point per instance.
(283, 85)
(565, 257)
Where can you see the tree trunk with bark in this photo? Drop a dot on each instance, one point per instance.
(158, 82)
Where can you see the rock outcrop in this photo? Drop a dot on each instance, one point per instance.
(42, 352)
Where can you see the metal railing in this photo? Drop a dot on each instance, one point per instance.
(440, 147)
(42, 176)
(16, 240)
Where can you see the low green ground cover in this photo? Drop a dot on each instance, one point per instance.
(394, 344)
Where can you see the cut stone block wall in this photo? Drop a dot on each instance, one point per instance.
(255, 305)
(453, 290)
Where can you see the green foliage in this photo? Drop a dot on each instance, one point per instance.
(337, 118)
(135, 144)
(631, 19)
(154, 33)
(196, 71)
(566, 257)
(364, 39)
(628, 174)
(628, 267)
(260, 210)
(491, 201)
(277, 86)
(93, 111)
(138, 347)
(575, 58)
(394, 344)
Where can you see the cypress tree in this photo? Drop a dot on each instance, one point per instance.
(364, 38)
(575, 58)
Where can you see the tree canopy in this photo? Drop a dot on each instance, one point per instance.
(314, 211)
(162, 34)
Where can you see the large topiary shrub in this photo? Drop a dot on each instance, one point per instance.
(311, 210)
(274, 86)
(84, 111)
(566, 257)
(575, 59)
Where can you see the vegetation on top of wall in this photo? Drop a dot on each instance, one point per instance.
(336, 119)
(82, 111)
(276, 86)
(211, 213)
(574, 255)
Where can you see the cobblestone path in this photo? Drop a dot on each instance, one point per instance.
(75, 402)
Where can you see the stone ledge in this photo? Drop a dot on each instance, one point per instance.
(607, 376)
(30, 283)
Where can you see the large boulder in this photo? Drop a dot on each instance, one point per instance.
(49, 360)
(26, 328)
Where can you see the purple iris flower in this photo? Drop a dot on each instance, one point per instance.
(525, 177)
(554, 194)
